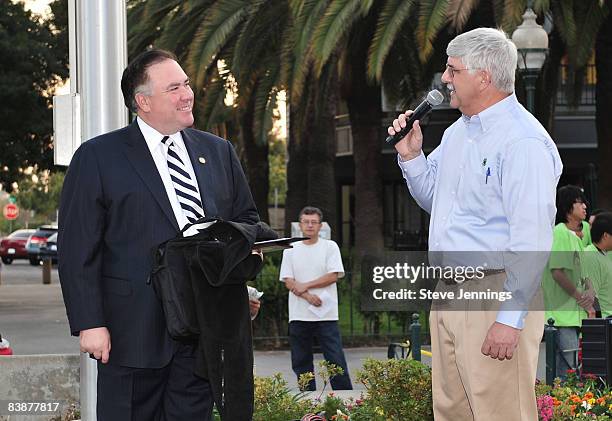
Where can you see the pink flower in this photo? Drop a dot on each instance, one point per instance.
(545, 407)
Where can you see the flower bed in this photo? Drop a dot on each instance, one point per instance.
(401, 390)
(574, 399)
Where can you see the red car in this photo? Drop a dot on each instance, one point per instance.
(13, 246)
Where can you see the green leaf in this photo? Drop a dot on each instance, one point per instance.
(217, 28)
(459, 12)
(338, 19)
(390, 22)
(432, 16)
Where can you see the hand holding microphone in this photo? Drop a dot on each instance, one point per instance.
(406, 127)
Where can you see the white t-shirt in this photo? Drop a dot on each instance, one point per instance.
(305, 263)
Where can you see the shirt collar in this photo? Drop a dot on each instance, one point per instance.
(154, 138)
(490, 116)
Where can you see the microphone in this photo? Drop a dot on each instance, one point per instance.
(433, 98)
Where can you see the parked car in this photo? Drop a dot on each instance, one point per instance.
(14, 246)
(37, 239)
(48, 250)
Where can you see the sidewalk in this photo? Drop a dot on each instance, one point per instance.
(33, 319)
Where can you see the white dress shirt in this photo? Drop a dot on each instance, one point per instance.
(490, 187)
(159, 152)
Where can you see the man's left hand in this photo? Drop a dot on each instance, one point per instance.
(501, 341)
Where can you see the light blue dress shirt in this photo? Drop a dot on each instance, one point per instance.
(490, 187)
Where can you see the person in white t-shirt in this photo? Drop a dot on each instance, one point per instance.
(310, 271)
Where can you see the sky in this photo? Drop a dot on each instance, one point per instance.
(40, 7)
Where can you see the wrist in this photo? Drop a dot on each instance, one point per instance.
(409, 156)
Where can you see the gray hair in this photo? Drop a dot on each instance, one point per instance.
(487, 49)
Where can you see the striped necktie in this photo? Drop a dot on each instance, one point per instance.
(185, 187)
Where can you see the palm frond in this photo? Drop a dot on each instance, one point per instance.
(212, 106)
(218, 27)
(337, 21)
(592, 15)
(513, 14)
(565, 22)
(144, 22)
(261, 37)
(432, 16)
(302, 52)
(541, 6)
(180, 28)
(265, 100)
(498, 11)
(404, 72)
(459, 12)
(390, 22)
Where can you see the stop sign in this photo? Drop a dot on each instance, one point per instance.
(10, 211)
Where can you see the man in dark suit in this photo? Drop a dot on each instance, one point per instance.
(126, 192)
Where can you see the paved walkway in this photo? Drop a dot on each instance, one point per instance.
(33, 319)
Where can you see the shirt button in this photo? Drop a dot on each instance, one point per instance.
(437, 244)
(470, 140)
(444, 218)
(460, 167)
(453, 192)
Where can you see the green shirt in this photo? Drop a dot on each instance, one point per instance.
(565, 254)
(586, 231)
(598, 268)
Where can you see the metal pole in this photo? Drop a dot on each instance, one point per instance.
(531, 77)
(550, 337)
(98, 55)
(415, 337)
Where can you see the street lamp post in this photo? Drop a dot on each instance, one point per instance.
(531, 41)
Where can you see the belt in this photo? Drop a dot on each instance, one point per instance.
(485, 272)
(489, 272)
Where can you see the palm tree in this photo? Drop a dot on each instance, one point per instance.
(603, 59)
(207, 35)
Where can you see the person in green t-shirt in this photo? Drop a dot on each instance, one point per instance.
(566, 298)
(596, 262)
(592, 219)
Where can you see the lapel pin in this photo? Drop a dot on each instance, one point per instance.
(202, 160)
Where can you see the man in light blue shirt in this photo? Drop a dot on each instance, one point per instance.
(490, 189)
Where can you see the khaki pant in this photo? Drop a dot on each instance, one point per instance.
(468, 385)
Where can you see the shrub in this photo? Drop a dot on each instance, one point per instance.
(396, 389)
(274, 401)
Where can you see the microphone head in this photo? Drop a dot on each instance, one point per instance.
(435, 97)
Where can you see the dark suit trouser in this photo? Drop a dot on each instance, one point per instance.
(169, 393)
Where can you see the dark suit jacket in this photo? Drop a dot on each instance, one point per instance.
(114, 211)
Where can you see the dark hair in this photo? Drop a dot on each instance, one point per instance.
(566, 197)
(135, 74)
(311, 210)
(601, 225)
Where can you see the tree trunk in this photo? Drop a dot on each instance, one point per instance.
(549, 82)
(256, 160)
(364, 105)
(322, 151)
(603, 61)
(297, 164)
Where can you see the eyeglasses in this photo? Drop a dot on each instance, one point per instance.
(310, 222)
(452, 70)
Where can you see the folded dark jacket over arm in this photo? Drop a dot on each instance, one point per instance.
(201, 282)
